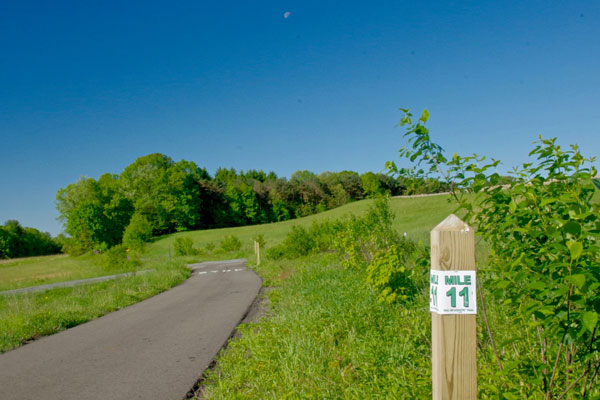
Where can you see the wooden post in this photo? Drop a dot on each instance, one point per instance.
(257, 253)
(453, 335)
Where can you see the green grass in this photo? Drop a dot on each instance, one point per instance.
(27, 316)
(327, 337)
(415, 216)
(25, 272)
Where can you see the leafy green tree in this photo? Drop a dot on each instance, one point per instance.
(167, 193)
(146, 184)
(138, 232)
(4, 247)
(309, 191)
(93, 213)
(372, 185)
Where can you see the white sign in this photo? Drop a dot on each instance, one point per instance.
(452, 292)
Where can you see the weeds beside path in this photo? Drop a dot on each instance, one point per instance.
(326, 337)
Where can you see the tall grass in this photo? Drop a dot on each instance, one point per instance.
(327, 337)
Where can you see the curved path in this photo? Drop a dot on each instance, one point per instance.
(155, 349)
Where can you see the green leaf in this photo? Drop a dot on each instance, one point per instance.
(572, 227)
(424, 116)
(547, 201)
(590, 319)
(596, 183)
(575, 248)
(538, 285)
(502, 284)
(577, 280)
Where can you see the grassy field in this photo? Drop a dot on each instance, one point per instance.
(27, 316)
(33, 271)
(415, 216)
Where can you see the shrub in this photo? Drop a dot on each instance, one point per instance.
(324, 234)
(184, 246)
(260, 239)
(297, 243)
(209, 246)
(397, 272)
(117, 257)
(275, 253)
(138, 232)
(231, 243)
(359, 239)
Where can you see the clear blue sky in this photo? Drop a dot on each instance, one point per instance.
(86, 87)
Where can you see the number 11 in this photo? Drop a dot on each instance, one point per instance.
(463, 293)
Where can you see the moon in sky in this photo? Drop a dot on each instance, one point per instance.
(286, 14)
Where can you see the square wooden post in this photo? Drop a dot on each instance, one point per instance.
(453, 335)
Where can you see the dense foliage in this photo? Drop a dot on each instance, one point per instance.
(542, 228)
(162, 196)
(18, 241)
(391, 264)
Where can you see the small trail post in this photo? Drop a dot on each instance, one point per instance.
(453, 311)
(257, 252)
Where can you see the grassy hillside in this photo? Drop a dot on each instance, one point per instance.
(415, 216)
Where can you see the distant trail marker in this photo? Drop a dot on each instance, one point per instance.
(257, 252)
(453, 304)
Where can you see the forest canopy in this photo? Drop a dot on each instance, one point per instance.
(19, 241)
(160, 196)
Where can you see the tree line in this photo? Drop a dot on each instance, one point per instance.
(19, 241)
(156, 195)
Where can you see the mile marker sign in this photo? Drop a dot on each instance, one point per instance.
(452, 292)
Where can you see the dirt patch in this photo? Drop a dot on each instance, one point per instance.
(258, 309)
(285, 274)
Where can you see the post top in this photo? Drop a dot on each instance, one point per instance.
(454, 224)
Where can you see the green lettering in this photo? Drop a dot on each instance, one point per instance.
(465, 295)
(452, 294)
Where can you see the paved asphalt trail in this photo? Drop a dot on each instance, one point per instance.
(155, 349)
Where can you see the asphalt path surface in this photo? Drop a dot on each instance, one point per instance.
(155, 349)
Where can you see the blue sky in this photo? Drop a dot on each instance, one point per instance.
(87, 87)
